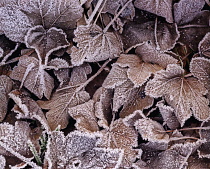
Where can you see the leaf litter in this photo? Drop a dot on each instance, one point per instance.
(104, 84)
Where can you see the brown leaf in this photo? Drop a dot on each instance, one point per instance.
(32, 75)
(123, 137)
(94, 45)
(180, 92)
(160, 8)
(204, 46)
(195, 162)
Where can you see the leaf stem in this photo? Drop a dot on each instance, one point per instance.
(99, 12)
(116, 16)
(186, 129)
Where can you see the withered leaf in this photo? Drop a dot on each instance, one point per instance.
(15, 137)
(27, 108)
(64, 98)
(195, 162)
(32, 75)
(186, 10)
(168, 115)
(148, 53)
(77, 150)
(199, 67)
(151, 130)
(138, 71)
(180, 92)
(2, 161)
(5, 87)
(136, 100)
(84, 114)
(120, 136)
(160, 8)
(204, 45)
(94, 45)
(45, 42)
(166, 34)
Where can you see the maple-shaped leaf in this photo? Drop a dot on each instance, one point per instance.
(32, 75)
(186, 10)
(148, 53)
(94, 45)
(160, 8)
(15, 138)
(5, 87)
(168, 115)
(199, 67)
(66, 97)
(27, 108)
(162, 35)
(45, 41)
(180, 92)
(77, 150)
(204, 45)
(151, 130)
(120, 136)
(136, 100)
(84, 114)
(138, 71)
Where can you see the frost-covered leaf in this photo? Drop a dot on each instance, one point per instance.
(186, 10)
(65, 98)
(148, 53)
(138, 71)
(151, 130)
(113, 6)
(2, 161)
(45, 41)
(136, 33)
(180, 92)
(94, 45)
(200, 68)
(168, 115)
(204, 45)
(84, 114)
(5, 88)
(123, 137)
(15, 137)
(136, 100)
(195, 162)
(27, 108)
(161, 8)
(32, 75)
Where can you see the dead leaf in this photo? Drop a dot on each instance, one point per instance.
(180, 92)
(2, 161)
(5, 87)
(94, 45)
(195, 162)
(160, 8)
(32, 75)
(204, 44)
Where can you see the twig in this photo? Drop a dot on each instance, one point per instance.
(155, 32)
(194, 26)
(134, 46)
(186, 129)
(99, 12)
(182, 138)
(116, 16)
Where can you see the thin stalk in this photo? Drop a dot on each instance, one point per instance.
(116, 16)
(134, 46)
(99, 12)
(186, 129)
(156, 39)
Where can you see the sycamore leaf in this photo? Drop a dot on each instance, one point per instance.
(161, 8)
(180, 92)
(136, 100)
(151, 130)
(27, 108)
(148, 53)
(120, 136)
(85, 116)
(5, 88)
(113, 6)
(186, 10)
(200, 68)
(138, 71)
(162, 34)
(65, 98)
(94, 45)
(77, 150)
(45, 42)
(32, 75)
(168, 115)
(204, 45)
(15, 137)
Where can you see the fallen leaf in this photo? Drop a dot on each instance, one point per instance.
(204, 44)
